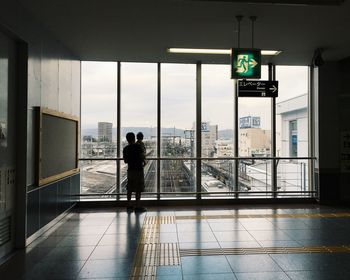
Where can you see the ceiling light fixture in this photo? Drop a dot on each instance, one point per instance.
(199, 51)
(215, 51)
(270, 52)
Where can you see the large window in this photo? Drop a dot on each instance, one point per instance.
(178, 128)
(98, 127)
(173, 106)
(254, 141)
(139, 114)
(292, 118)
(217, 129)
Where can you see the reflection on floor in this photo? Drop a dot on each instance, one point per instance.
(299, 242)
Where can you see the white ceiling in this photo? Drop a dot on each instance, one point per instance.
(142, 30)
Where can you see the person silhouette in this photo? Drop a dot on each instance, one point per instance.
(133, 155)
(139, 137)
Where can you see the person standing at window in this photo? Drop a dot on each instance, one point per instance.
(133, 155)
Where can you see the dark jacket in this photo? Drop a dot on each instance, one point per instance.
(133, 156)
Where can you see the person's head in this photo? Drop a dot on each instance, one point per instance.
(130, 137)
(139, 136)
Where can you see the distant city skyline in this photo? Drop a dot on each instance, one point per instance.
(149, 131)
(99, 100)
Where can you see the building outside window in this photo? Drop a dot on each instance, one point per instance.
(177, 139)
(105, 131)
(253, 141)
(293, 115)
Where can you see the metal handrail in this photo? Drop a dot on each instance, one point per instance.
(206, 158)
(227, 193)
(194, 193)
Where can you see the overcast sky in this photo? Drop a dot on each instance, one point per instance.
(178, 84)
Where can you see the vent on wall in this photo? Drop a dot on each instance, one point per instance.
(5, 230)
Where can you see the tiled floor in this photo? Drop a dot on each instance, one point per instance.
(296, 242)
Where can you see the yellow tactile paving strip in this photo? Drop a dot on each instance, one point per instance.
(151, 220)
(264, 250)
(151, 253)
(149, 234)
(158, 254)
(169, 254)
(246, 216)
(172, 219)
(144, 273)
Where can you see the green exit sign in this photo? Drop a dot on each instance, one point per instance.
(245, 64)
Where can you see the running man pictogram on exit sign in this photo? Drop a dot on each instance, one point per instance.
(245, 64)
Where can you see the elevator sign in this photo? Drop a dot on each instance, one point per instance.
(245, 64)
(257, 88)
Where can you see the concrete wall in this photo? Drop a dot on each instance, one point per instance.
(328, 131)
(53, 82)
(344, 124)
(332, 119)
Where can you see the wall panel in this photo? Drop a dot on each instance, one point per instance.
(53, 82)
(65, 86)
(33, 212)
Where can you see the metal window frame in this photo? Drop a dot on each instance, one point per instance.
(272, 77)
(198, 158)
(118, 127)
(159, 125)
(199, 129)
(311, 128)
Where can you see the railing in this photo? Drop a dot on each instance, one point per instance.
(178, 178)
